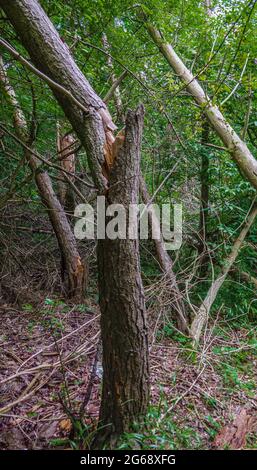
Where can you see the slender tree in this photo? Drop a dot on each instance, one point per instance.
(204, 201)
(74, 272)
(202, 314)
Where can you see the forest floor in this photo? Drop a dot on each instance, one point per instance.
(48, 348)
(46, 359)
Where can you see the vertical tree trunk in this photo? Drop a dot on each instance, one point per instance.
(67, 157)
(123, 321)
(73, 269)
(204, 310)
(163, 257)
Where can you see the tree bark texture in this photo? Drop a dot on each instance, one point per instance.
(123, 321)
(123, 324)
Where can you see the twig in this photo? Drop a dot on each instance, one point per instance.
(181, 396)
(25, 397)
(90, 382)
(54, 342)
(41, 75)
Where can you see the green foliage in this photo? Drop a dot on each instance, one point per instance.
(161, 434)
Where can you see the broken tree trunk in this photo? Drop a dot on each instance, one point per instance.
(202, 314)
(123, 321)
(74, 273)
(163, 257)
(66, 155)
(238, 149)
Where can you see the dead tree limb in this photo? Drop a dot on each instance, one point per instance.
(202, 314)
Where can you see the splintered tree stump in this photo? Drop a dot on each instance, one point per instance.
(233, 435)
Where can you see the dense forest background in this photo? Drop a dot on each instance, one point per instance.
(202, 380)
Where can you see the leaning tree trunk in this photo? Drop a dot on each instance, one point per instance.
(166, 264)
(86, 112)
(238, 149)
(74, 273)
(204, 310)
(91, 120)
(123, 321)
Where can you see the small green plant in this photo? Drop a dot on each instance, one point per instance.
(170, 331)
(161, 434)
(212, 427)
(210, 402)
(59, 442)
(27, 307)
